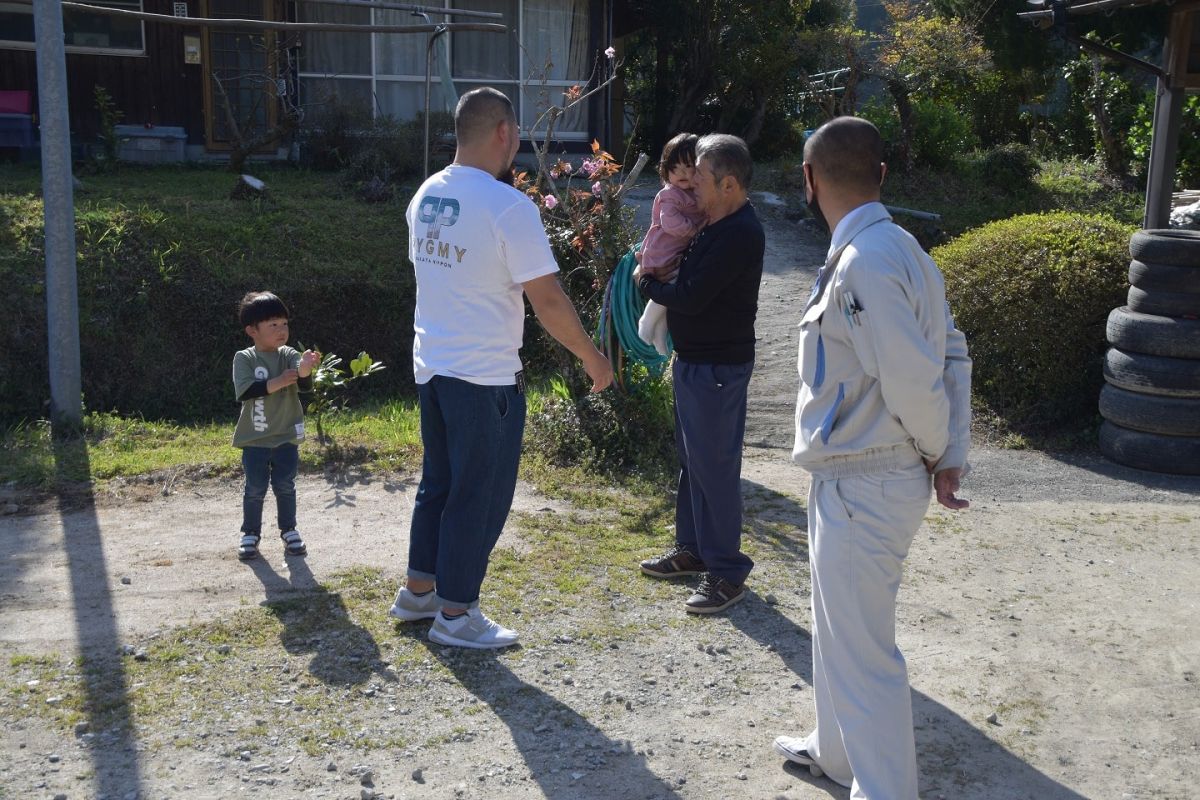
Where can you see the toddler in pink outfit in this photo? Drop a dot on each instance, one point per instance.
(674, 221)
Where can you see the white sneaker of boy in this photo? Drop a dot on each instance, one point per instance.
(472, 629)
(409, 607)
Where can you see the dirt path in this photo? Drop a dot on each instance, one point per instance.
(1064, 603)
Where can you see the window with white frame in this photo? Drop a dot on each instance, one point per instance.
(544, 54)
(84, 32)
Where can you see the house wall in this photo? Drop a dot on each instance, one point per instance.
(159, 89)
(156, 88)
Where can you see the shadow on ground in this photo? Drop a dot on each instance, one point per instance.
(315, 620)
(775, 519)
(607, 769)
(106, 701)
(997, 774)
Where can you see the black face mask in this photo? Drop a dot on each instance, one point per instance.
(814, 208)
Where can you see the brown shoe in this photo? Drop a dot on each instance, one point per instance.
(675, 562)
(714, 594)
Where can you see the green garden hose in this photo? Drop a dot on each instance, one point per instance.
(617, 329)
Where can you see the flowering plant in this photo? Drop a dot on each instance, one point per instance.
(588, 225)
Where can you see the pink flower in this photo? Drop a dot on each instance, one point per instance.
(551, 201)
(567, 169)
(589, 167)
(611, 53)
(596, 188)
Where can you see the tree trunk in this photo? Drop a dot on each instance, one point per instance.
(662, 101)
(1110, 144)
(908, 123)
(756, 121)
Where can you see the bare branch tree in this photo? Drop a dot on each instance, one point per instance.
(276, 91)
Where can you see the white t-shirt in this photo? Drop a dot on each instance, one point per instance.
(473, 241)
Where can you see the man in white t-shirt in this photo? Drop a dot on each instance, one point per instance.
(477, 245)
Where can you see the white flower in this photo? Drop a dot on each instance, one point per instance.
(611, 53)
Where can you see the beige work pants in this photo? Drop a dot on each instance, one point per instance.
(860, 529)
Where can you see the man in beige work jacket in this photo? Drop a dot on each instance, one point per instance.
(883, 411)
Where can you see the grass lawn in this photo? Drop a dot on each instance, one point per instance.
(162, 257)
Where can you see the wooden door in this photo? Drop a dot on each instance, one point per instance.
(241, 67)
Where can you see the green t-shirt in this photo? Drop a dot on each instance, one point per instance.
(273, 419)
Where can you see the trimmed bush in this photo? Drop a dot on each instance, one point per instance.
(1032, 294)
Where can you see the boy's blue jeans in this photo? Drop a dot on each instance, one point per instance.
(276, 466)
(472, 438)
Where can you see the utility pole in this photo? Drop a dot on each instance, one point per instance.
(58, 201)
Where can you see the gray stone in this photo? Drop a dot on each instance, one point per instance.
(125, 579)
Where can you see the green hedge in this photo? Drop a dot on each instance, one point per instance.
(164, 255)
(1032, 294)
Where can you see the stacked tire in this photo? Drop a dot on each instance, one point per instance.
(1151, 400)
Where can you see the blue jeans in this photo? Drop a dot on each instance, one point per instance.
(472, 438)
(710, 421)
(276, 466)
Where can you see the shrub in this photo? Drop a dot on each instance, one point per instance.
(1032, 293)
(333, 136)
(1187, 160)
(1009, 168)
(589, 230)
(940, 132)
(612, 432)
(375, 152)
(391, 151)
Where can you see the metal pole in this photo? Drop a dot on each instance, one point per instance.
(1164, 137)
(1164, 148)
(428, 73)
(58, 201)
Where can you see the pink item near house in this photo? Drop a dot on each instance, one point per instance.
(16, 102)
(674, 220)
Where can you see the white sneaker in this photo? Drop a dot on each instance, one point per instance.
(472, 629)
(409, 607)
(795, 749)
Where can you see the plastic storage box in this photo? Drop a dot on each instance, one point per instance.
(157, 145)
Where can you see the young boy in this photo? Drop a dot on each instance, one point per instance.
(267, 381)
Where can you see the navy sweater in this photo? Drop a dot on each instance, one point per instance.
(712, 304)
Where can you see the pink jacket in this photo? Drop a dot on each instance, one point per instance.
(674, 220)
